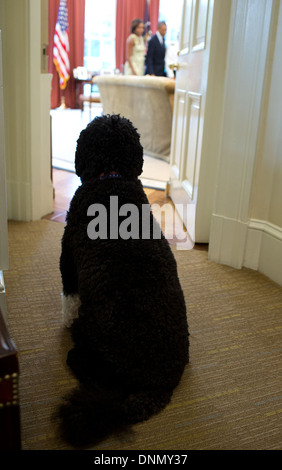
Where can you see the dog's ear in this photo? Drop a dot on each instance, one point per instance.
(109, 143)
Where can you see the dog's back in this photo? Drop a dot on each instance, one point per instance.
(131, 335)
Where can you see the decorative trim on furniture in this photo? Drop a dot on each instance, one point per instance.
(10, 435)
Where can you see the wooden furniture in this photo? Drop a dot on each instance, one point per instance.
(80, 81)
(93, 98)
(10, 436)
(79, 88)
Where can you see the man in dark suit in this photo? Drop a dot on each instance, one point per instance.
(155, 59)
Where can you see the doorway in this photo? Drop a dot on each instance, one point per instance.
(66, 127)
(99, 44)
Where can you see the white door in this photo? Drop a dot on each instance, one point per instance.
(193, 78)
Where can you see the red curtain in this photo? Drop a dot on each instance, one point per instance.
(76, 10)
(154, 14)
(128, 10)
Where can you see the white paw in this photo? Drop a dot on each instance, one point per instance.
(70, 306)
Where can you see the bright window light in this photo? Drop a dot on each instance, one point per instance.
(170, 12)
(100, 35)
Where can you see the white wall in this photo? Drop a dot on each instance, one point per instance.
(27, 108)
(246, 228)
(264, 241)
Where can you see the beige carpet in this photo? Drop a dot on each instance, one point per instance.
(230, 396)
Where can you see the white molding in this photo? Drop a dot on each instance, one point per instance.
(263, 250)
(227, 241)
(270, 261)
(236, 239)
(266, 227)
(256, 244)
(3, 296)
(27, 130)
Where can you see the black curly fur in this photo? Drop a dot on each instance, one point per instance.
(131, 336)
(99, 146)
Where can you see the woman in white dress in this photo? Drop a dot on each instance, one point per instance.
(135, 50)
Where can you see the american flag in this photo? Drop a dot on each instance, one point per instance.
(61, 45)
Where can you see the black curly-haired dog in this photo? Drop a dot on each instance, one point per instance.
(130, 334)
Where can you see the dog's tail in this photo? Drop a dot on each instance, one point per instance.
(92, 414)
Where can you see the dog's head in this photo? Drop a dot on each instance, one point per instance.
(109, 144)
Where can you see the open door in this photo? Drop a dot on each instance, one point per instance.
(198, 90)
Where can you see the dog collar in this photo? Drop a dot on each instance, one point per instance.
(112, 174)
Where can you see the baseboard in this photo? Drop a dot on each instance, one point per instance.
(24, 206)
(227, 241)
(255, 244)
(264, 249)
(18, 200)
(153, 184)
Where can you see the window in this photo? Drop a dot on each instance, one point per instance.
(100, 35)
(170, 12)
(100, 30)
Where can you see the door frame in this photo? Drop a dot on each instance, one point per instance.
(27, 110)
(200, 206)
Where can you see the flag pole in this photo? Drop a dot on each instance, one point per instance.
(63, 102)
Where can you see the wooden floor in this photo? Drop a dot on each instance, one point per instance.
(65, 184)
